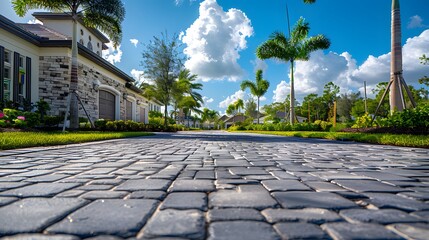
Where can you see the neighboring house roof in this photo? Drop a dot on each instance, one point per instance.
(42, 36)
(236, 118)
(223, 118)
(282, 115)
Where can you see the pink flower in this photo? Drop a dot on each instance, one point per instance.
(21, 118)
(1, 115)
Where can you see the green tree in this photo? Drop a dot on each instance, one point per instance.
(250, 109)
(209, 116)
(188, 105)
(239, 105)
(330, 94)
(309, 106)
(425, 79)
(297, 47)
(257, 88)
(186, 86)
(162, 63)
(230, 110)
(345, 104)
(106, 15)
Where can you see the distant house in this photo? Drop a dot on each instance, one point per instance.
(234, 119)
(284, 117)
(35, 64)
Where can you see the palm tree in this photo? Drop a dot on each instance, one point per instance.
(296, 47)
(185, 87)
(239, 104)
(208, 115)
(189, 104)
(106, 15)
(257, 88)
(230, 110)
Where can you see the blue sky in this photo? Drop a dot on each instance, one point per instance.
(231, 30)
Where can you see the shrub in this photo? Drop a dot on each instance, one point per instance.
(364, 122)
(32, 119)
(100, 124)
(52, 121)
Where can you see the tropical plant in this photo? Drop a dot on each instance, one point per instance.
(162, 62)
(257, 88)
(185, 97)
(106, 15)
(239, 104)
(297, 47)
(209, 116)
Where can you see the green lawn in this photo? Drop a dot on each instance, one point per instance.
(405, 140)
(13, 140)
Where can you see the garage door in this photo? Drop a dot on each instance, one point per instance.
(129, 110)
(107, 105)
(142, 115)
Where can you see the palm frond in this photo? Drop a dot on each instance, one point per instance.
(21, 7)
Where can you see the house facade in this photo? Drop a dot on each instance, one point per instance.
(35, 64)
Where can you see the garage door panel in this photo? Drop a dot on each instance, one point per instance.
(107, 105)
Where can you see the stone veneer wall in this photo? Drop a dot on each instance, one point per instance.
(54, 84)
(54, 80)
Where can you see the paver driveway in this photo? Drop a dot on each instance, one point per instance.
(215, 185)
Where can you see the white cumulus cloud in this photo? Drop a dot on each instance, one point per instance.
(416, 22)
(342, 70)
(134, 42)
(259, 64)
(111, 54)
(138, 75)
(214, 40)
(207, 100)
(230, 99)
(281, 92)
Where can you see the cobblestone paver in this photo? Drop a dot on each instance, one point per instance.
(215, 185)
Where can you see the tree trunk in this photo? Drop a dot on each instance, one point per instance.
(257, 113)
(165, 115)
(74, 108)
(292, 95)
(395, 97)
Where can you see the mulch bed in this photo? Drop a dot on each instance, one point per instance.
(393, 130)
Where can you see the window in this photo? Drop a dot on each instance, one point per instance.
(81, 42)
(89, 46)
(21, 61)
(89, 37)
(7, 57)
(6, 83)
(7, 86)
(81, 32)
(98, 53)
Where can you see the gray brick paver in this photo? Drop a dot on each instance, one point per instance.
(113, 217)
(214, 185)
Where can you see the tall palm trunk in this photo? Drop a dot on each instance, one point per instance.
(395, 97)
(74, 108)
(257, 112)
(292, 95)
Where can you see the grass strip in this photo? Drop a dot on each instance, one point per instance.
(14, 140)
(404, 140)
